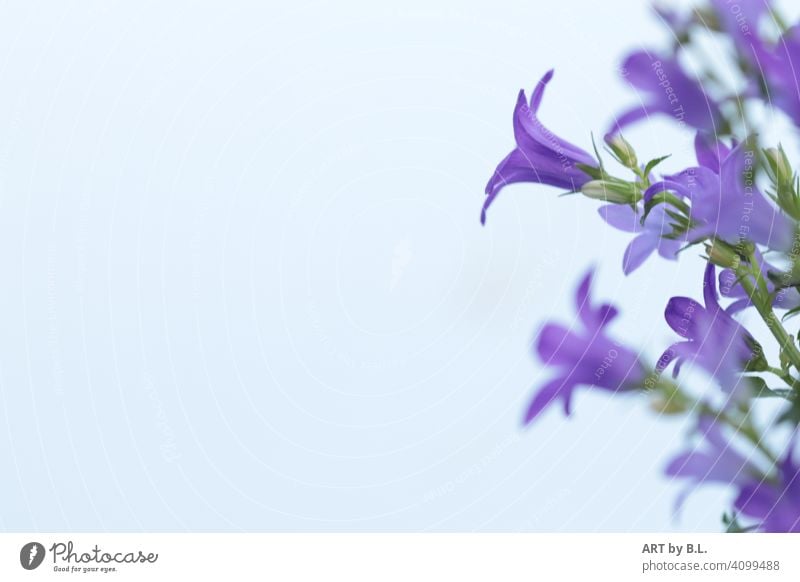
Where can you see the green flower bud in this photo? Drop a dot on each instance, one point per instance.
(778, 166)
(615, 191)
(667, 398)
(622, 150)
(784, 180)
(662, 405)
(723, 255)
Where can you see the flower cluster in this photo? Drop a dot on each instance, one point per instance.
(739, 204)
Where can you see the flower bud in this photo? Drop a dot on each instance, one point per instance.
(783, 179)
(622, 150)
(778, 166)
(666, 406)
(667, 398)
(723, 255)
(615, 191)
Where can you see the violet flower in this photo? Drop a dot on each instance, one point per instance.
(666, 89)
(584, 355)
(649, 237)
(740, 21)
(713, 339)
(540, 156)
(779, 65)
(774, 502)
(726, 202)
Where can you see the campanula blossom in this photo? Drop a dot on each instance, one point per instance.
(713, 339)
(664, 88)
(779, 65)
(726, 203)
(739, 20)
(774, 503)
(540, 156)
(772, 500)
(584, 355)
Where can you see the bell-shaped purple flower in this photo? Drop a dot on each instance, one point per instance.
(665, 89)
(712, 338)
(779, 65)
(540, 156)
(725, 201)
(740, 19)
(772, 500)
(775, 504)
(584, 355)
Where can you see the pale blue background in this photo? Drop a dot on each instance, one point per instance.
(245, 286)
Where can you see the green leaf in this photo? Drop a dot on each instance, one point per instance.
(732, 525)
(792, 414)
(653, 163)
(665, 197)
(597, 155)
(593, 172)
(791, 313)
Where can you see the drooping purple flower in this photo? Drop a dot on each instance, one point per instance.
(679, 21)
(713, 339)
(666, 89)
(774, 503)
(779, 65)
(718, 462)
(540, 156)
(772, 500)
(740, 21)
(725, 202)
(729, 286)
(584, 355)
(649, 238)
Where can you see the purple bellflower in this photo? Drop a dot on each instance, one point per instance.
(740, 21)
(584, 355)
(666, 89)
(779, 65)
(725, 201)
(713, 339)
(773, 502)
(540, 156)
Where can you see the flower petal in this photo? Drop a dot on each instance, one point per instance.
(710, 151)
(680, 315)
(620, 216)
(637, 252)
(558, 387)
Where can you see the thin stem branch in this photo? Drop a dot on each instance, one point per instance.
(753, 283)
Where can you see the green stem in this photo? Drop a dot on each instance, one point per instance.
(790, 381)
(743, 427)
(756, 290)
(676, 397)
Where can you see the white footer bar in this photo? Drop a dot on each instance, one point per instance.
(399, 557)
